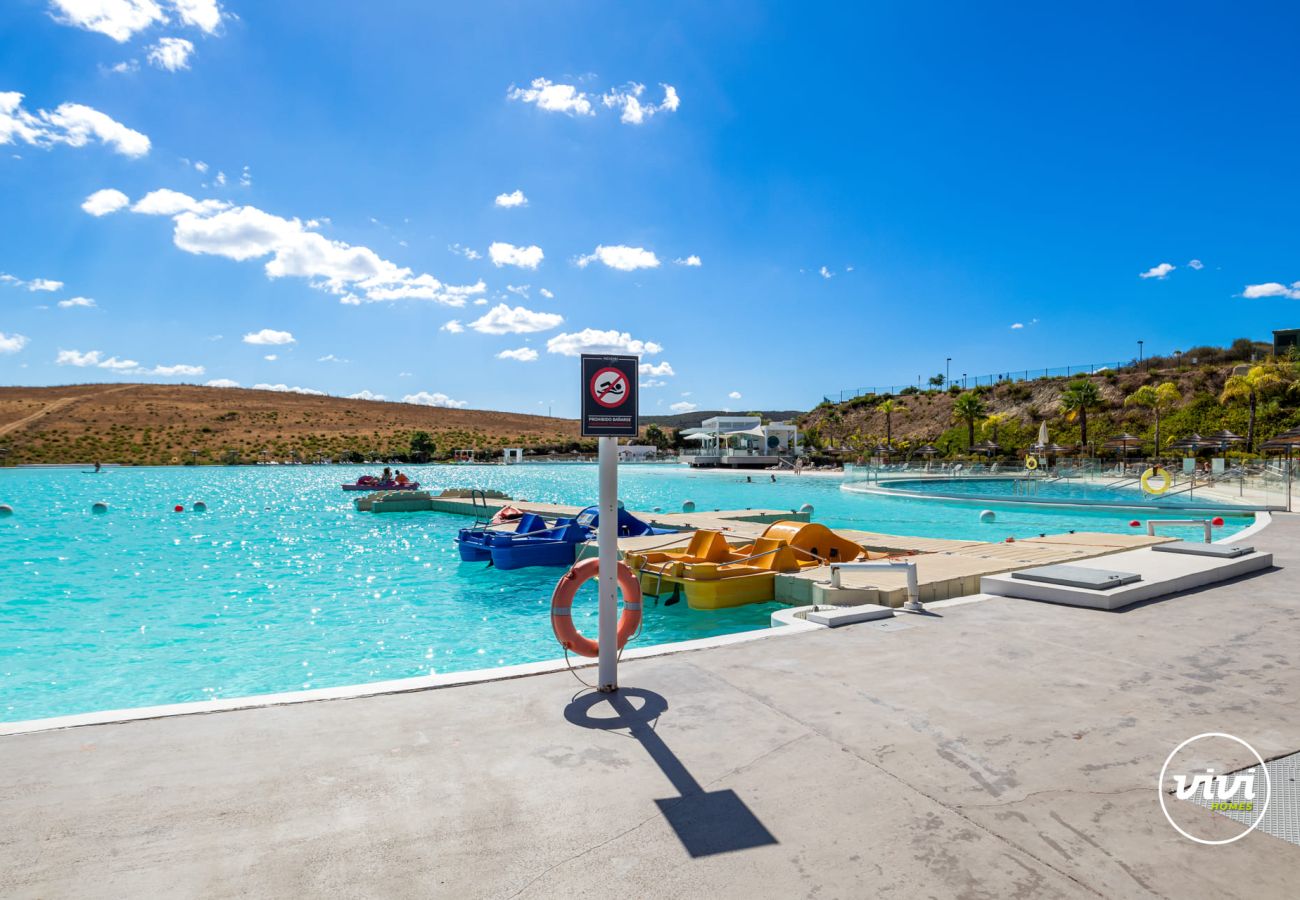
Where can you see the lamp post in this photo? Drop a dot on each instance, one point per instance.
(947, 371)
(963, 381)
(1140, 353)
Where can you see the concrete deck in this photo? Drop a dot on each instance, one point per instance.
(991, 749)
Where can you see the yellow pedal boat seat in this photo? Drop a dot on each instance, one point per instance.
(705, 546)
(814, 544)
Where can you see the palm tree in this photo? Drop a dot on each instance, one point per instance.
(1259, 381)
(1159, 399)
(889, 407)
(969, 408)
(994, 421)
(1077, 399)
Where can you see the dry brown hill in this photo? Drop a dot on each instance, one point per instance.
(161, 424)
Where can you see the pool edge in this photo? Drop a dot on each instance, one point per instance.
(414, 684)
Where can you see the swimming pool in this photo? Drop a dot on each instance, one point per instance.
(1033, 490)
(281, 585)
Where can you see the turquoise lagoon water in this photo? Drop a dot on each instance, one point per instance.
(282, 586)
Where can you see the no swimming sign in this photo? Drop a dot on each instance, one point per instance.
(609, 396)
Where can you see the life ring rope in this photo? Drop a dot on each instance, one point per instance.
(1031, 463)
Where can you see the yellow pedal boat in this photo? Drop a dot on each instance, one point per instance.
(712, 574)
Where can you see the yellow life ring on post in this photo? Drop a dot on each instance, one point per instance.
(1166, 480)
(1031, 463)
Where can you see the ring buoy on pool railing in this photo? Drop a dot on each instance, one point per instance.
(562, 607)
(1031, 463)
(1166, 480)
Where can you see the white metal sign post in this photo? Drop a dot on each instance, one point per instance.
(609, 411)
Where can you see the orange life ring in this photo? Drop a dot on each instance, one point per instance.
(562, 607)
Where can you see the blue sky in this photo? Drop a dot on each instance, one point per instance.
(867, 189)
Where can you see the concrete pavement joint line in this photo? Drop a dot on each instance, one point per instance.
(1014, 801)
(658, 815)
(913, 788)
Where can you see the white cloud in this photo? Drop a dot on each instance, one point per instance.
(221, 383)
(591, 340)
(36, 284)
(73, 124)
(467, 252)
(12, 343)
(119, 19)
(271, 357)
(1272, 289)
(246, 180)
(734, 395)
(1158, 272)
(654, 383)
(547, 294)
(621, 257)
(504, 319)
(166, 202)
(424, 398)
(105, 201)
(220, 180)
(269, 337)
(366, 395)
(97, 359)
(202, 14)
(551, 97)
(125, 67)
(519, 290)
(658, 370)
(691, 260)
(171, 54)
(1016, 326)
(77, 302)
(354, 274)
(453, 327)
(635, 112)
(512, 199)
(503, 254)
(523, 354)
(1195, 264)
(286, 389)
(201, 167)
(481, 301)
(684, 406)
(179, 369)
(330, 357)
(825, 272)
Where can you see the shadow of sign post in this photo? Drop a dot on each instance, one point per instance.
(706, 822)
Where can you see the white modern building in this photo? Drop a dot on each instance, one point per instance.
(740, 442)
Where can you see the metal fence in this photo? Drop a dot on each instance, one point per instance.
(965, 381)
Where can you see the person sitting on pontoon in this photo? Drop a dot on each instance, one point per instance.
(401, 478)
(387, 476)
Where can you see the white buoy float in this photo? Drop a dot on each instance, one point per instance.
(806, 508)
(688, 506)
(99, 507)
(6, 510)
(988, 516)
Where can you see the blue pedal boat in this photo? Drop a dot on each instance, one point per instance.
(556, 546)
(628, 524)
(473, 542)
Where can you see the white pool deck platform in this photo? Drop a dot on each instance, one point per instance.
(1161, 574)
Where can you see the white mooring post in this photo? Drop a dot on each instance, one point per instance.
(607, 545)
